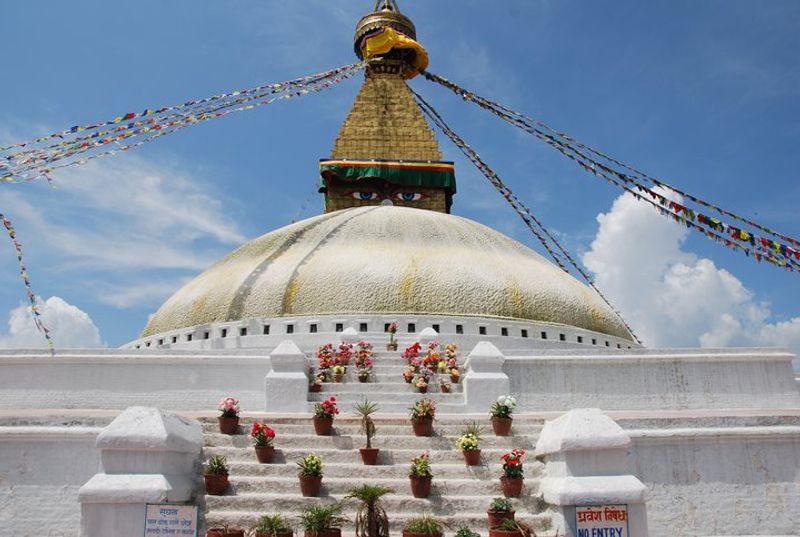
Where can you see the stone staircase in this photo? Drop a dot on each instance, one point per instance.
(460, 496)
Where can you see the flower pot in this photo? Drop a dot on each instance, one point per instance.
(323, 426)
(338, 377)
(454, 379)
(225, 532)
(409, 534)
(502, 426)
(512, 486)
(445, 388)
(422, 390)
(310, 484)
(409, 379)
(472, 456)
(420, 486)
(216, 485)
(504, 533)
(279, 534)
(496, 517)
(328, 532)
(363, 378)
(228, 425)
(315, 388)
(369, 455)
(391, 346)
(423, 426)
(264, 453)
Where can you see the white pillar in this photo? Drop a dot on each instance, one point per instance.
(147, 456)
(586, 464)
(485, 380)
(426, 336)
(286, 383)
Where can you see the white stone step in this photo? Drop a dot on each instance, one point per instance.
(487, 470)
(368, 389)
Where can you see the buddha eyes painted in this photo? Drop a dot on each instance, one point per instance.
(408, 196)
(364, 195)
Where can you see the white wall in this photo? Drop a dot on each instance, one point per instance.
(41, 470)
(720, 481)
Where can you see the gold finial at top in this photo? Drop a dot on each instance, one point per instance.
(388, 5)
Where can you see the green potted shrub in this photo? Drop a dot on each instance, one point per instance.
(420, 476)
(216, 475)
(369, 454)
(322, 520)
(501, 411)
(510, 528)
(464, 531)
(422, 414)
(499, 510)
(423, 526)
(371, 519)
(273, 526)
(310, 474)
(468, 443)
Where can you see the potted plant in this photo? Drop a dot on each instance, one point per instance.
(420, 476)
(392, 345)
(432, 359)
(510, 528)
(323, 416)
(325, 356)
(322, 520)
(363, 374)
(315, 386)
(499, 510)
(423, 379)
(339, 371)
(310, 474)
(216, 475)
(455, 375)
(371, 519)
(422, 414)
(408, 374)
(225, 531)
(229, 420)
(272, 526)
(468, 444)
(444, 385)
(464, 531)
(451, 367)
(411, 353)
(369, 454)
(423, 526)
(264, 438)
(513, 476)
(501, 411)
(343, 354)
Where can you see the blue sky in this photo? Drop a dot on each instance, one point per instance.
(705, 95)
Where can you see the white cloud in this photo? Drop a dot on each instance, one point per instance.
(672, 297)
(69, 326)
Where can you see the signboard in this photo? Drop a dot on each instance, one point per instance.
(602, 521)
(174, 520)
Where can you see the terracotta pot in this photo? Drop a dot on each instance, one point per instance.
(323, 426)
(502, 426)
(504, 533)
(391, 346)
(409, 534)
(264, 454)
(423, 426)
(279, 534)
(369, 456)
(512, 486)
(420, 486)
(228, 425)
(310, 484)
(496, 517)
(338, 377)
(363, 378)
(445, 388)
(472, 456)
(216, 485)
(422, 390)
(315, 388)
(409, 379)
(454, 379)
(329, 532)
(222, 532)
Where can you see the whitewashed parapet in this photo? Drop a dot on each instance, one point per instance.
(485, 380)
(148, 456)
(586, 456)
(286, 383)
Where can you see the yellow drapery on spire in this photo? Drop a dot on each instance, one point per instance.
(383, 41)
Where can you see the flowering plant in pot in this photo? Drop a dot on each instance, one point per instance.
(455, 375)
(420, 476)
(364, 373)
(444, 385)
(500, 509)
(322, 520)
(510, 528)
(344, 353)
(423, 380)
(264, 438)
(369, 454)
(451, 362)
(310, 474)
(273, 526)
(325, 356)
(422, 414)
(501, 411)
(411, 352)
(433, 357)
(229, 420)
(323, 416)
(371, 519)
(392, 345)
(339, 371)
(315, 386)
(225, 531)
(408, 373)
(364, 353)
(468, 443)
(215, 475)
(513, 475)
(423, 526)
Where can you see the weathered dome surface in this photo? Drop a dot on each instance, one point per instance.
(385, 260)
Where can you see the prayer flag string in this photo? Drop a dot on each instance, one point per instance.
(736, 238)
(531, 221)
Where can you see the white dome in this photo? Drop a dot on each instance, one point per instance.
(385, 260)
